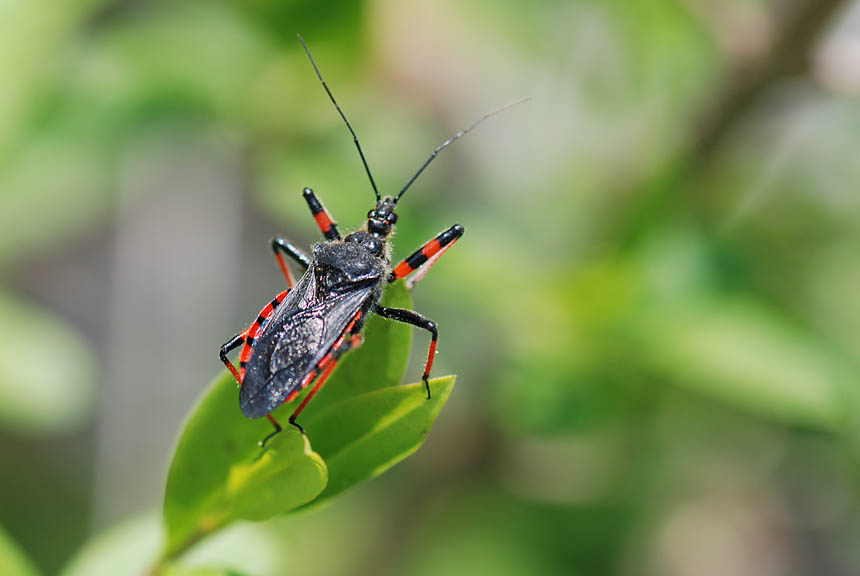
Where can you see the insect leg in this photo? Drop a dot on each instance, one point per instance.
(324, 220)
(281, 246)
(232, 344)
(272, 434)
(354, 342)
(416, 319)
(423, 259)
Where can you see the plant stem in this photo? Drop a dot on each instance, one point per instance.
(175, 552)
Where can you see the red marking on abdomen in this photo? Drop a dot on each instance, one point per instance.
(292, 395)
(327, 358)
(254, 331)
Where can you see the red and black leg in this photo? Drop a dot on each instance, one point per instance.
(416, 319)
(328, 226)
(423, 259)
(281, 246)
(227, 347)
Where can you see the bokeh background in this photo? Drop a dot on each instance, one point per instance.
(654, 315)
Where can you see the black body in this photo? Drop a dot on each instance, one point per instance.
(345, 278)
(300, 335)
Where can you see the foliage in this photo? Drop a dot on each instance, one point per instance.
(361, 426)
(654, 305)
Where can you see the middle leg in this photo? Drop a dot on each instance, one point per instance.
(416, 319)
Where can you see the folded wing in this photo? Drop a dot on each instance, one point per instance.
(291, 344)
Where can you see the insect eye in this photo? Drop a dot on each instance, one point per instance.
(370, 213)
(392, 218)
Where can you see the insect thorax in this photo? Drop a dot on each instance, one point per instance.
(340, 265)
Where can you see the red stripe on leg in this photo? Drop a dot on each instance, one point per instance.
(430, 357)
(431, 248)
(423, 259)
(354, 341)
(239, 375)
(323, 377)
(267, 310)
(425, 268)
(323, 221)
(403, 270)
(291, 281)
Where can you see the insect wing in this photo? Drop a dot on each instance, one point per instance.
(292, 343)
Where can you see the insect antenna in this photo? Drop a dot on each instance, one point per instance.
(342, 115)
(454, 138)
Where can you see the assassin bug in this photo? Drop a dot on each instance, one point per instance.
(301, 334)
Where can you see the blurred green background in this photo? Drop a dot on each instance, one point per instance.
(654, 314)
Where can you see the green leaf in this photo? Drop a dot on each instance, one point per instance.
(220, 475)
(36, 396)
(366, 421)
(379, 363)
(13, 560)
(365, 435)
(739, 352)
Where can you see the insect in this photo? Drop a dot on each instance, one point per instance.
(301, 334)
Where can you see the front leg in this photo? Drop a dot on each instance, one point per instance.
(423, 259)
(415, 319)
(327, 224)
